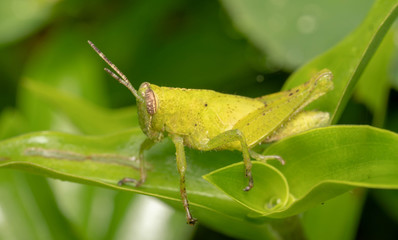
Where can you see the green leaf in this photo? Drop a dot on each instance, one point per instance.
(356, 50)
(292, 32)
(321, 164)
(35, 151)
(342, 212)
(104, 160)
(229, 179)
(373, 86)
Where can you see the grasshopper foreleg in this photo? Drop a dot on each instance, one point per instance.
(147, 144)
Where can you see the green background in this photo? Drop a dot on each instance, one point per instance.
(50, 79)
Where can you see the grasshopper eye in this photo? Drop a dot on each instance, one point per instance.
(150, 99)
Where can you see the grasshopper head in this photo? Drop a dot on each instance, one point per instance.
(146, 98)
(146, 110)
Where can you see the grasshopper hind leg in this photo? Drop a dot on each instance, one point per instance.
(147, 144)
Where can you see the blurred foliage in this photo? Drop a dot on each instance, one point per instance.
(292, 32)
(240, 47)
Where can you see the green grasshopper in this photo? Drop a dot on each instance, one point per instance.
(208, 120)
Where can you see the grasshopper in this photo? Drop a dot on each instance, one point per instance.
(207, 120)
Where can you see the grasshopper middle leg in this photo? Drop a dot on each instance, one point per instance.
(182, 166)
(232, 136)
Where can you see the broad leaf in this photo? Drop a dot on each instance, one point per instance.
(321, 164)
(356, 50)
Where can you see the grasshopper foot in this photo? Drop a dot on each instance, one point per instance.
(130, 180)
(191, 221)
(265, 158)
(280, 159)
(250, 186)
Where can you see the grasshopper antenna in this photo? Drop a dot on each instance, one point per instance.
(121, 78)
